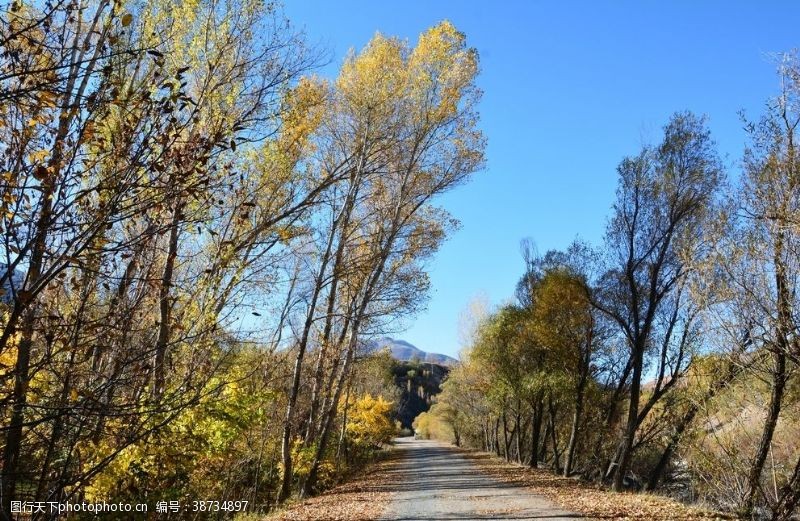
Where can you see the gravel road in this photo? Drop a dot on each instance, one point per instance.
(435, 482)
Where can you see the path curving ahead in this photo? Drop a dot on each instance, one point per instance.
(435, 482)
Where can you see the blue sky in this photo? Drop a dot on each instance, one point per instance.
(569, 89)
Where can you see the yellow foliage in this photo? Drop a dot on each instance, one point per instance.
(369, 421)
(189, 452)
(304, 106)
(424, 85)
(8, 358)
(430, 426)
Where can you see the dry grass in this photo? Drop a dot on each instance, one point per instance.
(592, 501)
(362, 498)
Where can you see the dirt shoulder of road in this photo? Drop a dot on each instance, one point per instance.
(592, 501)
(363, 497)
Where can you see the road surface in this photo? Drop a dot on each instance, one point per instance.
(435, 482)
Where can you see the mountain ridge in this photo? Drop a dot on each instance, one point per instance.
(406, 351)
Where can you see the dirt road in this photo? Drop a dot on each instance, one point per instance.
(434, 482)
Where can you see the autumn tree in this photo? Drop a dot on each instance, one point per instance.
(564, 322)
(505, 348)
(400, 125)
(664, 202)
(120, 136)
(758, 257)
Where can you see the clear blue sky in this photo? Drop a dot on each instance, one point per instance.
(569, 89)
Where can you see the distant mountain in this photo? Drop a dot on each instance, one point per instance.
(405, 351)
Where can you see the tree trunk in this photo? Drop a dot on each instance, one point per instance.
(553, 433)
(329, 416)
(11, 453)
(545, 441)
(63, 404)
(164, 305)
(496, 437)
(658, 471)
(576, 419)
(732, 370)
(783, 330)
(342, 448)
(626, 447)
(789, 497)
(319, 369)
(14, 433)
(340, 225)
(286, 437)
(518, 432)
(773, 412)
(506, 442)
(536, 431)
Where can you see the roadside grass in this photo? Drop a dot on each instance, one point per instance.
(592, 501)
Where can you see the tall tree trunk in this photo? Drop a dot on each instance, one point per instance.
(773, 412)
(164, 305)
(286, 435)
(576, 420)
(330, 415)
(496, 436)
(783, 330)
(626, 446)
(553, 433)
(319, 369)
(506, 441)
(343, 433)
(545, 441)
(536, 431)
(518, 432)
(24, 309)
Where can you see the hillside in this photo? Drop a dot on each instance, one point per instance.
(419, 382)
(406, 352)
